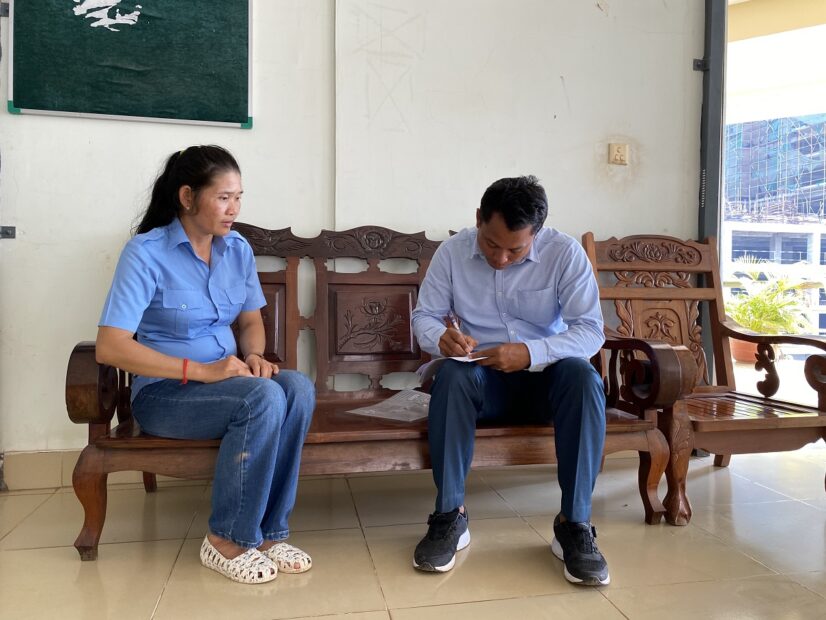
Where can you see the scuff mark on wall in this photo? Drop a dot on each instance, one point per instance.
(565, 92)
(603, 6)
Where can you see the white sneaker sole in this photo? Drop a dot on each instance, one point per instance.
(464, 541)
(557, 550)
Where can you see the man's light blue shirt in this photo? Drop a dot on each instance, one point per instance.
(549, 300)
(175, 302)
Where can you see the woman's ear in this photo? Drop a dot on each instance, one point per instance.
(185, 196)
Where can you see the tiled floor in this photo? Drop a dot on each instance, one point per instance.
(756, 548)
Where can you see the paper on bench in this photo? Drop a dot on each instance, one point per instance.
(405, 406)
(426, 371)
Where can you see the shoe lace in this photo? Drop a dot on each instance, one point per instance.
(584, 537)
(440, 524)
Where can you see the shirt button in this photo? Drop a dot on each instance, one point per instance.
(183, 306)
(512, 332)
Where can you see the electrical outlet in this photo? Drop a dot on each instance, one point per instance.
(618, 154)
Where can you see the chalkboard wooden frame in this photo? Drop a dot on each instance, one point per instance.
(162, 62)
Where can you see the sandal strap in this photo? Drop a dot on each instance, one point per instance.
(287, 557)
(252, 566)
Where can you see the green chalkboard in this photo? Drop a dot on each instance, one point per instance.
(183, 60)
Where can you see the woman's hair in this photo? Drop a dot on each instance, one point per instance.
(195, 166)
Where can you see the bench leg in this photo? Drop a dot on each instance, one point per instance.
(676, 427)
(150, 482)
(652, 467)
(89, 481)
(722, 460)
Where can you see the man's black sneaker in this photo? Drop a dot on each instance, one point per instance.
(574, 544)
(447, 533)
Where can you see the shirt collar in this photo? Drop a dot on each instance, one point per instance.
(177, 235)
(532, 255)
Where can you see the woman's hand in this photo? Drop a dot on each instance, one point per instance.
(224, 368)
(260, 367)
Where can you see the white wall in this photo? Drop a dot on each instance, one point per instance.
(492, 88)
(435, 100)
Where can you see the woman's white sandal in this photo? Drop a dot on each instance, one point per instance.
(286, 557)
(252, 566)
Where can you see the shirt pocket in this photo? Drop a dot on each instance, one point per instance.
(232, 299)
(537, 307)
(181, 308)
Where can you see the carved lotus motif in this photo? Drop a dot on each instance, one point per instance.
(650, 252)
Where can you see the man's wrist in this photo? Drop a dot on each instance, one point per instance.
(249, 355)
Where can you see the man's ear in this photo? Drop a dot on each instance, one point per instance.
(185, 196)
(478, 218)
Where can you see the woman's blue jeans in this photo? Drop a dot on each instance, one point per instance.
(261, 423)
(568, 393)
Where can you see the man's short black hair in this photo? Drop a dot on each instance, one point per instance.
(521, 201)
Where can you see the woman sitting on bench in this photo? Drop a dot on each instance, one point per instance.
(181, 281)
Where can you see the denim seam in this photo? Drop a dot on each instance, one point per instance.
(242, 465)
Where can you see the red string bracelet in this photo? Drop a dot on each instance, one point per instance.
(186, 363)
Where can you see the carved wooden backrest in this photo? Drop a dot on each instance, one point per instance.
(658, 285)
(361, 320)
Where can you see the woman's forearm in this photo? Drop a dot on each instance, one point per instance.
(116, 347)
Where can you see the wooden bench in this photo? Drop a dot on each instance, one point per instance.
(659, 286)
(361, 325)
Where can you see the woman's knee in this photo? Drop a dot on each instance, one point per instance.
(298, 390)
(266, 400)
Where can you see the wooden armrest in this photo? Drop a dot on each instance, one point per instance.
(91, 388)
(734, 330)
(667, 374)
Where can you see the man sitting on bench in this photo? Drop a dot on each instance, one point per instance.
(523, 300)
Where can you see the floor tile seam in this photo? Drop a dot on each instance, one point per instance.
(576, 591)
(472, 520)
(100, 544)
(26, 516)
(733, 547)
(765, 486)
(367, 546)
(166, 580)
(24, 492)
(804, 586)
(612, 603)
(710, 580)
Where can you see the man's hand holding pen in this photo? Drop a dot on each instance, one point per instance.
(453, 342)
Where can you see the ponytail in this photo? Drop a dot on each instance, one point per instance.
(195, 166)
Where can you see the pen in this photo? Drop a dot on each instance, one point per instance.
(454, 320)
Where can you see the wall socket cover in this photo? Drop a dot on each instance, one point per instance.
(618, 154)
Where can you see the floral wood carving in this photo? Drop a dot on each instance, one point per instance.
(653, 279)
(273, 242)
(664, 324)
(695, 341)
(655, 252)
(379, 327)
(375, 241)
